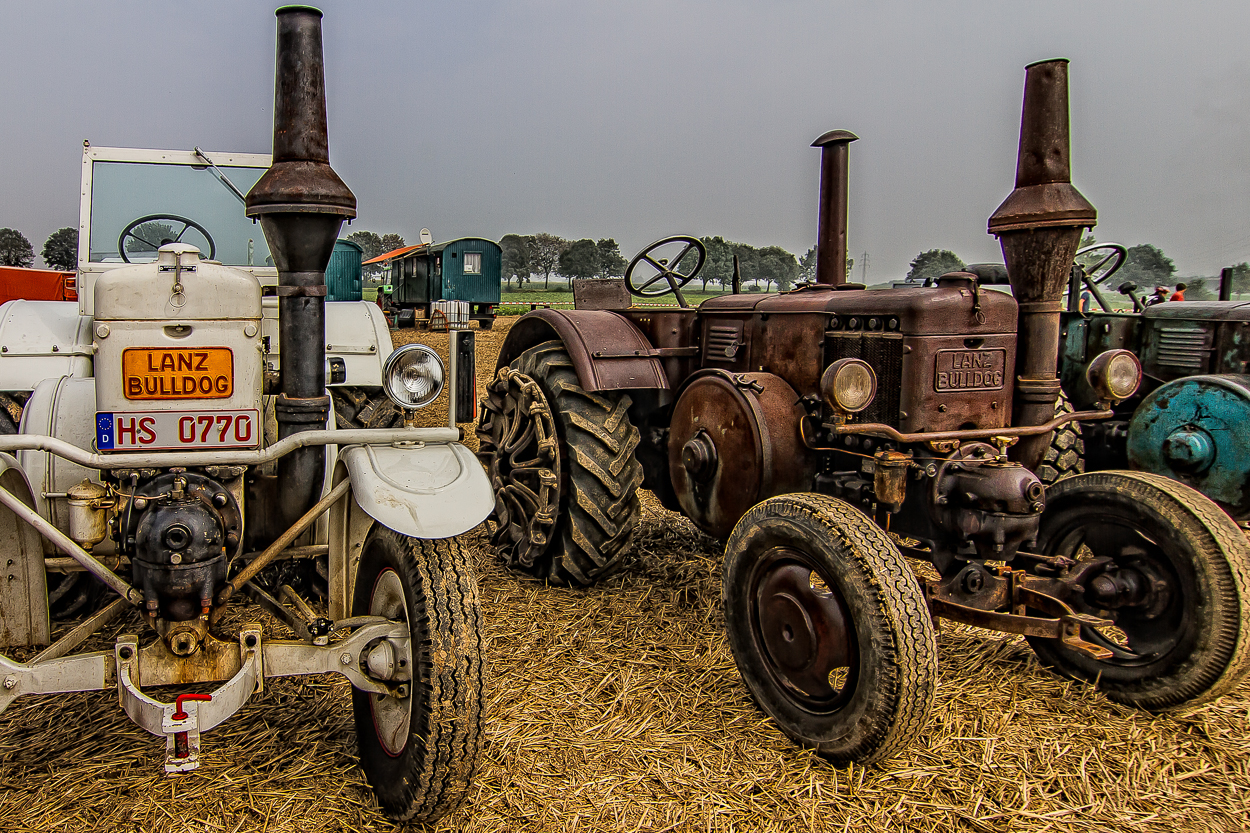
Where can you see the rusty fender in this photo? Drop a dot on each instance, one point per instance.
(608, 351)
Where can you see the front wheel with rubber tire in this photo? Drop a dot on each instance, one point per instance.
(1169, 568)
(561, 461)
(419, 747)
(829, 627)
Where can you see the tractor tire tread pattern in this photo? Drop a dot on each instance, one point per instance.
(1065, 455)
(910, 673)
(356, 407)
(447, 725)
(600, 506)
(1226, 556)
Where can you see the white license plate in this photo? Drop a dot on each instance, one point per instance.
(163, 430)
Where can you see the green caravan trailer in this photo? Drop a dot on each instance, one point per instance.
(465, 269)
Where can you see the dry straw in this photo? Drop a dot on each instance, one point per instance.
(619, 709)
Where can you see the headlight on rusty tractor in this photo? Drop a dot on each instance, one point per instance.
(1114, 375)
(413, 376)
(848, 386)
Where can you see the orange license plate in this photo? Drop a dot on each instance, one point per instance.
(158, 373)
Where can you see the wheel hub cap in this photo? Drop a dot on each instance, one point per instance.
(803, 624)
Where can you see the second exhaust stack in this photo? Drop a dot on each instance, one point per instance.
(1039, 227)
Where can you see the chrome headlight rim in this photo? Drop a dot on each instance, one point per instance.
(840, 371)
(1114, 375)
(393, 365)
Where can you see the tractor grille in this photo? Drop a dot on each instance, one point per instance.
(724, 344)
(884, 353)
(1183, 350)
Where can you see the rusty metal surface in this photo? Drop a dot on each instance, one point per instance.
(601, 293)
(892, 433)
(987, 501)
(1044, 194)
(834, 205)
(1008, 600)
(585, 332)
(523, 463)
(216, 660)
(300, 178)
(734, 441)
(1039, 228)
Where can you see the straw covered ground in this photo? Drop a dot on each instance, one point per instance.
(620, 709)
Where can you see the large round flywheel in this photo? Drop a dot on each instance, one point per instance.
(733, 442)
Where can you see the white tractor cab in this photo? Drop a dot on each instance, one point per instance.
(186, 435)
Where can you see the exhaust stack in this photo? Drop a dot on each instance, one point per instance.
(834, 194)
(301, 203)
(1039, 228)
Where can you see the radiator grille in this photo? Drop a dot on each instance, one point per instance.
(1183, 349)
(884, 354)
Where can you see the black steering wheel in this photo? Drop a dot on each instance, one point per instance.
(164, 228)
(667, 267)
(1101, 269)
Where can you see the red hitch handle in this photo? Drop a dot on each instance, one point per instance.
(179, 714)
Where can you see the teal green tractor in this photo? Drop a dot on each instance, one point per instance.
(1190, 418)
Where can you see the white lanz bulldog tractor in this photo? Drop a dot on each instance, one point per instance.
(162, 456)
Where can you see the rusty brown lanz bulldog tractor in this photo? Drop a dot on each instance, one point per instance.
(830, 433)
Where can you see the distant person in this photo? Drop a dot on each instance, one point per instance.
(1179, 294)
(1086, 299)
(1160, 295)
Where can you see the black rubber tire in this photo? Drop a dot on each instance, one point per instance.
(1208, 560)
(364, 408)
(1065, 455)
(888, 691)
(431, 774)
(599, 472)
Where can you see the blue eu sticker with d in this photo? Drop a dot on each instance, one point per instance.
(104, 431)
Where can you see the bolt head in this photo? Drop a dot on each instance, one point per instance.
(10, 682)
(345, 658)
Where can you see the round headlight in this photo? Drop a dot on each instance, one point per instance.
(1114, 375)
(848, 385)
(413, 376)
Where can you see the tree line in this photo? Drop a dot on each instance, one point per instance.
(1144, 264)
(60, 250)
(526, 257)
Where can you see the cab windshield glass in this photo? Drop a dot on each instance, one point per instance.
(136, 207)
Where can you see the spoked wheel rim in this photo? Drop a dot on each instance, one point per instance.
(392, 716)
(803, 630)
(1129, 578)
(523, 454)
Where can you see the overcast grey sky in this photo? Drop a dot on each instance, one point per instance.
(641, 119)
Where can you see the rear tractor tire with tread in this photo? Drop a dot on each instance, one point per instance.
(419, 751)
(1065, 455)
(561, 461)
(356, 407)
(829, 627)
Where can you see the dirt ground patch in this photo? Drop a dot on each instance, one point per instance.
(619, 709)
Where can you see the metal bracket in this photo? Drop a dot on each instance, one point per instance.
(181, 722)
(1009, 589)
(82, 672)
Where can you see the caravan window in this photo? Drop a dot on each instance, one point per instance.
(473, 263)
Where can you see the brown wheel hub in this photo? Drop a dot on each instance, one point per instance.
(521, 452)
(803, 624)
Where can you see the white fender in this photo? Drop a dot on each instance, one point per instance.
(431, 491)
(23, 583)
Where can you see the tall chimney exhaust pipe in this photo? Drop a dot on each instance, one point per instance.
(834, 195)
(1039, 227)
(301, 203)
